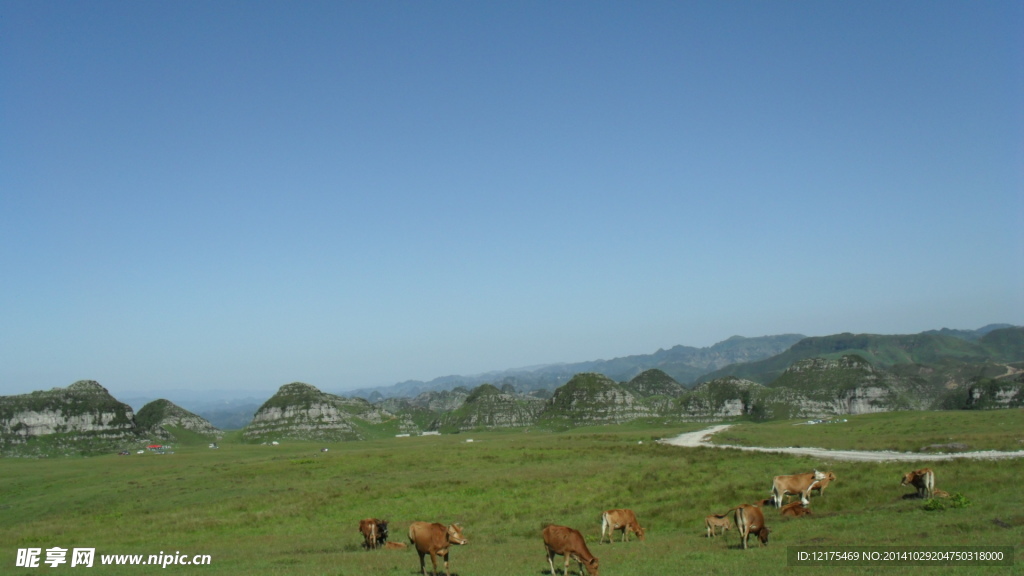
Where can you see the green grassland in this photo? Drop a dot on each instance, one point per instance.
(293, 509)
(900, 431)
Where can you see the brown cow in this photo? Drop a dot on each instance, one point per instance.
(569, 543)
(795, 509)
(750, 520)
(620, 519)
(375, 532)
(923, 480)
(713, 521)
(434, 539)
(798, 484)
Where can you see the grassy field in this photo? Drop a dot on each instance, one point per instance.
(900, 431)
(293, 509)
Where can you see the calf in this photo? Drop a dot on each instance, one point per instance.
(375, 532)
(620, 519)
(822, 484)
(569, 543)
(795, 509)
(923, 480)
(713, 521)
(750, 520)
(434, 539)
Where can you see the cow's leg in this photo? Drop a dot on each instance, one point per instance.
(447, 573)
(423, 563)
(433, 562)
(551, 561)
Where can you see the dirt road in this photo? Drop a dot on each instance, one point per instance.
(703, 438)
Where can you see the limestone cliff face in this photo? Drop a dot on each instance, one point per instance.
(488, 407)
(847, 385)
(723, 398)
(591, 398)
(84, 413)
(162, 417)
(301, 411)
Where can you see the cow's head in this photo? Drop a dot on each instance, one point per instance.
(763, 534)
(908, 478)
(591, 566)
(382, 529)
(455, 535)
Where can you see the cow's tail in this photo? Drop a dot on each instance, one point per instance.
(605, 525)
(776, 497)
(929, 482)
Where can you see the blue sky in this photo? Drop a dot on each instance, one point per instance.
(238, 195)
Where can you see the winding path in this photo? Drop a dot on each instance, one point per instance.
(703, 438)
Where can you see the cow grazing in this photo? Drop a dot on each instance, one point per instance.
(620, 519)
(375, 533)
(569, 543)
(714, 521)
(923, 480)
(750, 520)
(795, 509)
(797, 484)
(434, 539)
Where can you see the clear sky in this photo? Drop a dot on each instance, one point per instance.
(238, 195)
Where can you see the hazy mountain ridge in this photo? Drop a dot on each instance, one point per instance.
(683, 363)
(815, 377)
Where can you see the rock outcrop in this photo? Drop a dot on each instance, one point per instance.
(591, 398)
(82, 418)
(489, 407)
(302, 412)
(163, 418)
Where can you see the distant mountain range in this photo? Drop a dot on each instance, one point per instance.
(770, 377)
(685, 364)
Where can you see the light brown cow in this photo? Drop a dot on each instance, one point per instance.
(750, 520)
(923, 480)
(797, 484)
(620, 519)
(375, 532)
(569, 543)
(434, 539)
(795, 509)
(822, 484)
(713, 521)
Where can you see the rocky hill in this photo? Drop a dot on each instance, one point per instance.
(301, 411)
(82, 418)
(488, 407)
(168, 421)
(592, 398)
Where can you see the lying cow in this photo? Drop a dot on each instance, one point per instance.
(714, 521)
(434, 539)
(750, 520)
(923, 480)
(796, 484)
(795, 509)
(375, 532)
(567, 542)
(620, 519)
